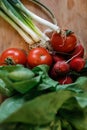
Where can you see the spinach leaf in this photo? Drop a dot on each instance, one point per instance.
(16, 78)
(17, 72)
(74, 111)
(5, 84)
(46, 81)
(21, 74)
(39, 111)
(3, 89)
(22, 126)
(26, 85)
(35, 109)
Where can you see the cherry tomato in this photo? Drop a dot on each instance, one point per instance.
(12, 56)
(38, 56)
(64, 43)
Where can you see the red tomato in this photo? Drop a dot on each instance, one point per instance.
(38, 56)
(12, 56)
(65, 43)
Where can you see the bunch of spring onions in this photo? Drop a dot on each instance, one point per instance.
(22, 19)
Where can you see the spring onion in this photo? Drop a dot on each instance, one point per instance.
(18, 19)
(47, 10)
(19, 5)
(23, 34)
(22, 19)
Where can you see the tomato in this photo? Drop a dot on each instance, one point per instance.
(64, 43)
(38, 56)
(12, 56)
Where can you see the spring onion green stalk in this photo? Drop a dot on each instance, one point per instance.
(23, 34)
(36, 29)
(19, 5)
(4, 4)
(46, 9)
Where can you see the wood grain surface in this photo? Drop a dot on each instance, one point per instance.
(70, 14)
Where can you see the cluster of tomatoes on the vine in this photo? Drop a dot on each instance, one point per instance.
(67, 55)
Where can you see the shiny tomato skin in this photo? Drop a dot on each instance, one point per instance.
(38, 56)
(12, 56)
(63, 44)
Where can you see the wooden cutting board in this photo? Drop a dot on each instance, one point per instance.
(70, 14)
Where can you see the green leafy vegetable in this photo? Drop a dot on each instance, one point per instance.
(25, 86)
(46, 81)
(38, 111)
(75, 111)
(21, 73)
(40, 103)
